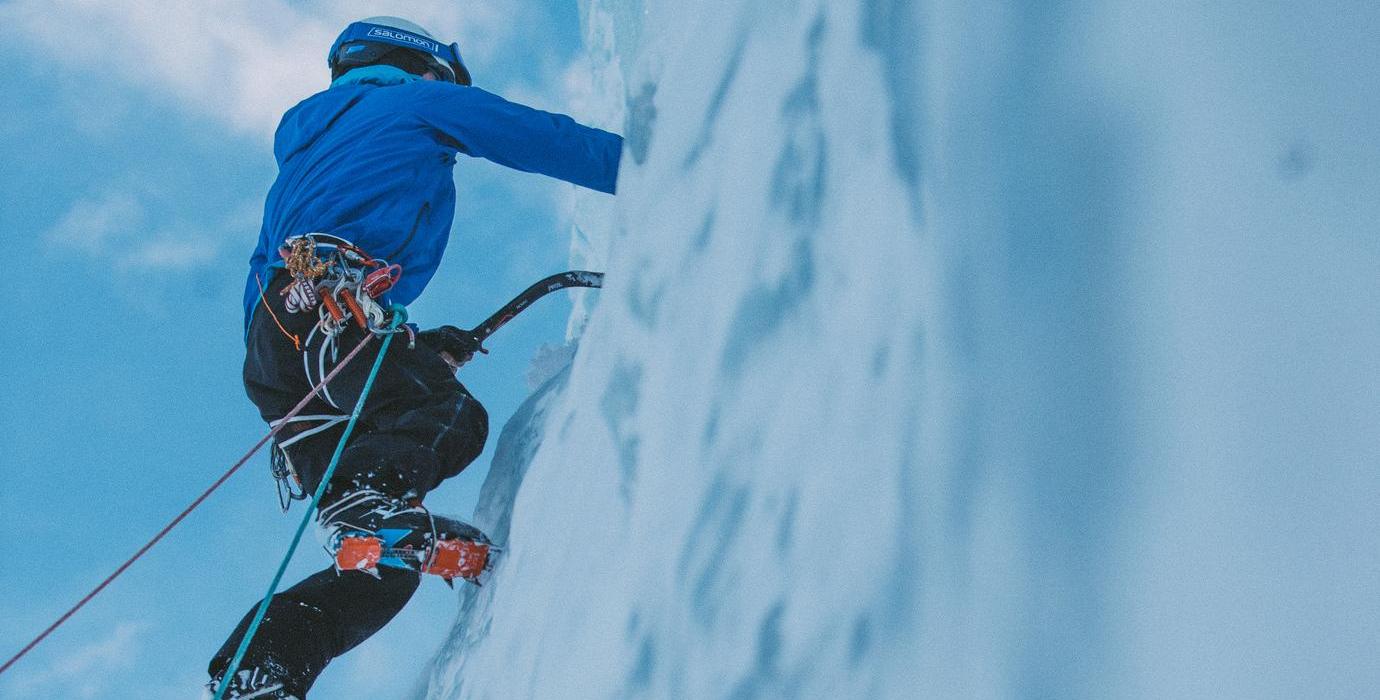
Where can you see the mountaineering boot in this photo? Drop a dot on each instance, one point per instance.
(252, 683)
(366, 529)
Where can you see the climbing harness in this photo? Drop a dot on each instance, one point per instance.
(342, 284)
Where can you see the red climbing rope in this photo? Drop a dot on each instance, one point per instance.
(167, 528)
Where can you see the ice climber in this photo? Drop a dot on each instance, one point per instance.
(358, 219)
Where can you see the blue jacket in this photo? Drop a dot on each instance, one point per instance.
(370, 160)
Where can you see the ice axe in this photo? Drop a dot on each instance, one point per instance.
(457, 345)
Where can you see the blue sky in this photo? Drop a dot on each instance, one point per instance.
(136, 153)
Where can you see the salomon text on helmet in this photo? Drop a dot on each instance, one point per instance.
(395, 41)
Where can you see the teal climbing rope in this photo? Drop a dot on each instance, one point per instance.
(399, 316)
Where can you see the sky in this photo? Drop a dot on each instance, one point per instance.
(136, 151)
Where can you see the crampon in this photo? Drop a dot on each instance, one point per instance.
(449, 559)
(370, 532)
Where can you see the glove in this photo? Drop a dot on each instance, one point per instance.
(456, 346)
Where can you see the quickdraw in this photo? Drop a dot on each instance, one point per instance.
(298, 428)
(340, 281)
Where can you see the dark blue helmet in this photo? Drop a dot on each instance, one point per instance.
(368, 41)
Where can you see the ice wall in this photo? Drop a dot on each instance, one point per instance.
(961, 349)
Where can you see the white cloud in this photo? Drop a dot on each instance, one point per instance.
(81, 672)
(243, 62)
(169, 252)
(117, 227)
(91, 224)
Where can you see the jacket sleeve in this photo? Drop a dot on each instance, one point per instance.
(520, 137)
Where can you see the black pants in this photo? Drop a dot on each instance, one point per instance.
(418, 427)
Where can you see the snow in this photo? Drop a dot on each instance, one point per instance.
(955, 350)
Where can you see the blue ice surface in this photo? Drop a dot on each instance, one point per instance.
(1137, 453)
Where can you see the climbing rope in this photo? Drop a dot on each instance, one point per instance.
(224, 477)
(399, 316)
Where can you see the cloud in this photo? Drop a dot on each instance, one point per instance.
(237, 65)
(91, 224)
(242, 62)
(115, 227)
(81, 672)
(169, 253)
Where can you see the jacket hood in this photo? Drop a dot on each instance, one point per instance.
(305, 123)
